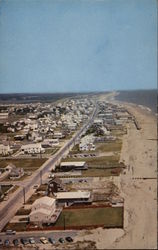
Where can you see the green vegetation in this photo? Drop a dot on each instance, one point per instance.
(19, 227)
(34, 197)
(26, 164)
(101, 172)
(23, 211)
(103, 160)
(5, 188)
(107, 216)
(109, 146)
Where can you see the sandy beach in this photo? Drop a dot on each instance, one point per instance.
(138, 187)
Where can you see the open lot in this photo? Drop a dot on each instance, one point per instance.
(5, 188)
(109, 146)
(107, 216)
(26, 164)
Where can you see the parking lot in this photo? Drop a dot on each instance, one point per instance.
(37, 238)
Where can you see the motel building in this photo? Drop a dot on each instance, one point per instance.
(44, 210)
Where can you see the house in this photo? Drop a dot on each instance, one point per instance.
(44, 210)
(35, 148)
(70, 198)
(58, 135)
(16, 173)
(73, 165)
(98, 122)
(50, 143)
(3, 115)
(55, 185)
(5, 150)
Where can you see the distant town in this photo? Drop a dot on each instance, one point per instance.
(58, 161)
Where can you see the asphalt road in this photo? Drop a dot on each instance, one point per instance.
(16, 201)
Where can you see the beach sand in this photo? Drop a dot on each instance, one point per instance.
(139, 153)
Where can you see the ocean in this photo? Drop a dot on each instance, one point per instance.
(146, 98)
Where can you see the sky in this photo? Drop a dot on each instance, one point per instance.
(77, 45)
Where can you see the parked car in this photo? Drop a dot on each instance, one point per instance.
(10, 232)
(15, 242)
(69, 239)
(24, 241)
(44, 240)
(1, 243)
(31, 240)
(51, 240)
(61, 240)
(6, 243)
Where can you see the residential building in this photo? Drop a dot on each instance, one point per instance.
(35, 148)
(44, 210)
(5, 150)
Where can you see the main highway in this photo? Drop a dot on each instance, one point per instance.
(10, 207)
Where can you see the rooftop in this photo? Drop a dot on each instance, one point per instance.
(73, 195)
(44, 200)
(72, 163)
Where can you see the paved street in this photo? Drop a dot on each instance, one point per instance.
(9, 208)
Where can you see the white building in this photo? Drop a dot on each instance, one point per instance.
(76, 165)
(44, 210)
(34, 148)
(5, 150)
(69, 198)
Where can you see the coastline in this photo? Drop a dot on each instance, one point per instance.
(140, 208)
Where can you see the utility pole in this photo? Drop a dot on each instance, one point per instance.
(41, 176)
(64, 223)
(24, 194)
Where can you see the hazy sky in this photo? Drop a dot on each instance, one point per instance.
(77, 45)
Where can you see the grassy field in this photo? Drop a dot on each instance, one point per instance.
(16, 226)
(23, 211)
(26, 164)
(101, 172)
(109, 146)
(5, 188)
(33, 198)
(102, 160)
(107, 216)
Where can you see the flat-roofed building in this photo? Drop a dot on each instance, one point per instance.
(76, 165)
(76, 197)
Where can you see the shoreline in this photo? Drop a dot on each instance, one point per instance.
(140, 208)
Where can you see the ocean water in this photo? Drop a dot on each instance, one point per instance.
(146, 98)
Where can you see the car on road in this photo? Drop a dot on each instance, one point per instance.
(31, 240)
(51, 240)
(61, 240)
(69, 239)
(15, 242)
(1, 243)
(6, 242)
(44, 240)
